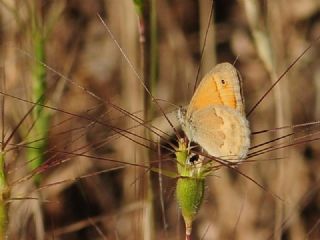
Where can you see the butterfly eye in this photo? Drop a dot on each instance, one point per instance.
(223, 81)
(194, 158)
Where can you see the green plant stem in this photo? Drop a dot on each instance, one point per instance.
(150, 65)
(153, 55)
(4, 190)
(39, 134)
(151, 79)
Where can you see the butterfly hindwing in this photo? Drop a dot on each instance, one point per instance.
(221, 131)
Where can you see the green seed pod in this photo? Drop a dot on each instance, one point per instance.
(189, 195)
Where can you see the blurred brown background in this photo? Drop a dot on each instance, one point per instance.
(82, 196)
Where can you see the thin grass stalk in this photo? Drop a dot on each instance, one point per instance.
(150, 76)
(263, 42)
(207, 36)
(4, 191)
(282, 106)
(35, 154)
(4, 188)
(148, 63)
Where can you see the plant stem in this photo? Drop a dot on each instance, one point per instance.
(150, 65)
(4, 191)
(39, 134)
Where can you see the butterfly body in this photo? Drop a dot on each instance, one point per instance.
(215, 117)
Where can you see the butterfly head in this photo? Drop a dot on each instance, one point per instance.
(181, 115)
(185, 123)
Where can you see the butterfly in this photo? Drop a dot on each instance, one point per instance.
(215, 117)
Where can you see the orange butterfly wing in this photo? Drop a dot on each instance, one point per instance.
(215, 117)
(221, 131)
(221, 86)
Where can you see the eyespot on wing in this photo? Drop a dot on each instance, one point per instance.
(221, 86)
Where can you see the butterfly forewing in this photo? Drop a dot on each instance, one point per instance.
(221, 86)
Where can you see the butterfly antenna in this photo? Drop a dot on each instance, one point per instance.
(236, 60)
